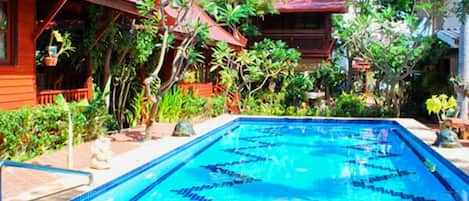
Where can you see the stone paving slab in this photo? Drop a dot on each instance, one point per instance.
(459, 156)
(131, 153)
(16, 181)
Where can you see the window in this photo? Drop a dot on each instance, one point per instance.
(6, 31)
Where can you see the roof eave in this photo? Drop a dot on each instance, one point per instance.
(448, 39)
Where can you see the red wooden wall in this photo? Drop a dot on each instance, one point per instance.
(18, 82)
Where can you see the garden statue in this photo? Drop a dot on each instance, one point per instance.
(447, 138)
(101, 154)
(184, 128)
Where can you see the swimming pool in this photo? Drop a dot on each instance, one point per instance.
(294, 159)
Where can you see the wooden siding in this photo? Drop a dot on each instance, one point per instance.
(315, 43)
(18, 81)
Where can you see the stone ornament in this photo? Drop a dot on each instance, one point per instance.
(101, 153)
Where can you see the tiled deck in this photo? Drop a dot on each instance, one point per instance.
(130, 153)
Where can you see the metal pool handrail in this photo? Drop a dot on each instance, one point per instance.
(7, 163)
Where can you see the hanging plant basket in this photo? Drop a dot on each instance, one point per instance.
(50, 61)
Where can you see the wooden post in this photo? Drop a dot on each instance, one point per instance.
(89, 79)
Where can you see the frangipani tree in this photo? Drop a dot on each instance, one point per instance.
(188, 28)
(248, 71)
(238, 14)
(392, 43)
(159, 34)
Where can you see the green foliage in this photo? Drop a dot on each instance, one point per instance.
(462, 9)
(170, 106)
(145, 6)
(442, 106)
(296, 86)
(189, 76)
(350, 105)
(139, 109)
(65, 41)
(433, 79)
(216, 105)
(145, 40)
(30, 132)
(223, 59)
(193, 106)
(330, 76)
(250, 70)
(175, 105)
(238, 13)
(392, 41)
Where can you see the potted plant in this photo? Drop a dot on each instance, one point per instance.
(442, 106)
(53, 50)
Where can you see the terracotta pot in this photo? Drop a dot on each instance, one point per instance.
(50, 61)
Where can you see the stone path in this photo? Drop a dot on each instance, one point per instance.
(17, 181)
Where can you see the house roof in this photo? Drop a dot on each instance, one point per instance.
(216, 32)
(450, 37)
(450, 31)
(331, 6)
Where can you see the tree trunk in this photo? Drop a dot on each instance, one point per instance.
(463, 67)
(107, 66)
(151, 117)
(392, 95)
(147, 83)
(397, 100)
(348, 86)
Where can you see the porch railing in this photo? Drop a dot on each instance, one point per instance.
(47, 97)
(200, 89)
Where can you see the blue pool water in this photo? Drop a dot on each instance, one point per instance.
(287, 159)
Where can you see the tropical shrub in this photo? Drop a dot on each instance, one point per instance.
(192, 106)
(376, 111)
(175, 105)
(296, 87)
(32, 131)
(350, 105)
(170, 106)
(216, 105)
(139, 109)
(329, 77)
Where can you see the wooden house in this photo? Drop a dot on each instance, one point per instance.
(22, 22)
(305, 25)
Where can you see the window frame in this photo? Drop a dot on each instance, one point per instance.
(10, 51)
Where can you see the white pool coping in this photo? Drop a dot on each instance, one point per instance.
(150, 150)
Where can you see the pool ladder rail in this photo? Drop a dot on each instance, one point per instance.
(7, 163)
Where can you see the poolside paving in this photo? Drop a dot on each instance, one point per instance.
(130, 152)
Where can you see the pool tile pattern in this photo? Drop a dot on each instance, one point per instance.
(239, 179)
